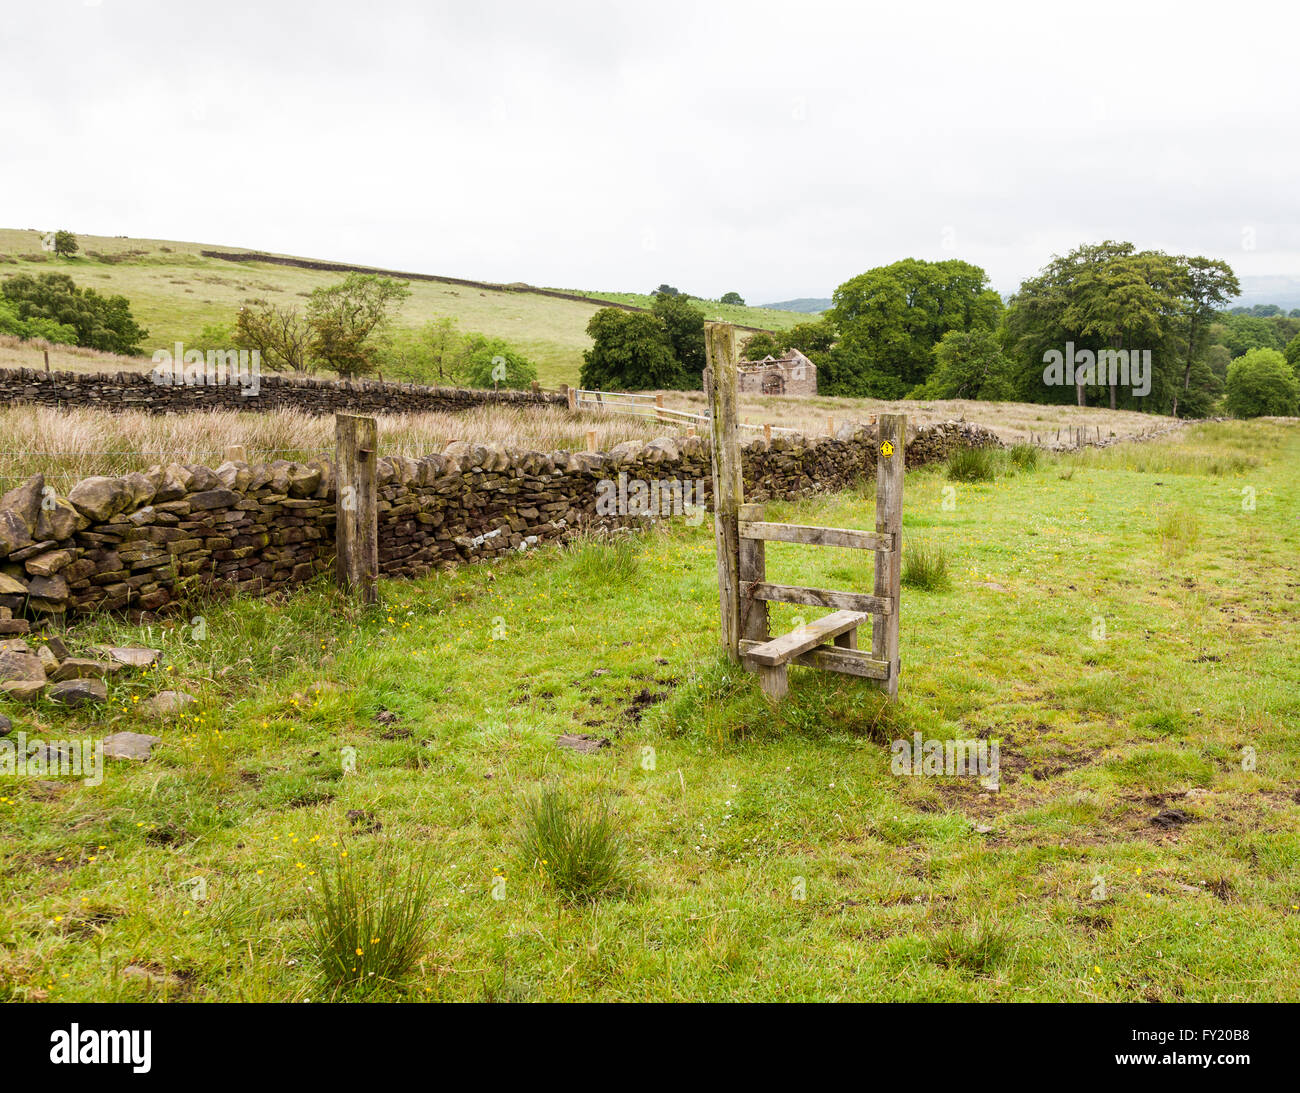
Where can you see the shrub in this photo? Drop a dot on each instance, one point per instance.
(925, 566)
(100, 322)
(1262, 383)
(575, 846)
(368, 921)
(972, 464)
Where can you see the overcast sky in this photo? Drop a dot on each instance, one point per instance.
(771, 149)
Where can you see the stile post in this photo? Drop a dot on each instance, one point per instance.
(752, 559)
(356, 440)
(890, 452)
(728, 481)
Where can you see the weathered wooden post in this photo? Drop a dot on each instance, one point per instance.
(357, 503)
(890, 452)
(591, 440)
(571, 393)
(728, 481)
(767, 434)
(236, 453)
(659, 405)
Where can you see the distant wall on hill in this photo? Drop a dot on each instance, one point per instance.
(138, 391)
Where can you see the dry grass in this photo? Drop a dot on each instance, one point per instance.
(16, 353)
(68, 445)
(1011, 421)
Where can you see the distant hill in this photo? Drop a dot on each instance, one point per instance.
(808, 305)
(177, 288)
(1279, 289)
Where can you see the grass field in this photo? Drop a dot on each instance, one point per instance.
(1125, 631)
(175, 291)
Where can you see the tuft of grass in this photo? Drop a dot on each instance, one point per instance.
(1024, 456)
(972, 464)
(602, 557)
(980, 947)
(1178, 530)
(369, 921)
(575, 845)
(925, 566)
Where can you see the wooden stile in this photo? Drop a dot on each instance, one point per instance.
(728, 484)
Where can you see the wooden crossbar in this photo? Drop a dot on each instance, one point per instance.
(831, 658)
(815, 536)
(815, 597)
(788, 646)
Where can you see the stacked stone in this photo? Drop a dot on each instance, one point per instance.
(133, 542)
(138, 391)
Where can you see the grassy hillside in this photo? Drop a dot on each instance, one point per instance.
(175, 290)
(195, 869)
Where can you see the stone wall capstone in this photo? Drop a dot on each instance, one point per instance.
(136, 542)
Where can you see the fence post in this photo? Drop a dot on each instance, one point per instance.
(357, 529)
(890, 456)
(728, 481)
(236, 453)
(572, 395)
(767, 434)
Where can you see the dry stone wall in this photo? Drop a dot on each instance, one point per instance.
(136, 542)
(138, 391)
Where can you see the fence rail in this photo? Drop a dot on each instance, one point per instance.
(652, 407)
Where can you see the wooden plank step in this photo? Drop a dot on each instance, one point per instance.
(830, 658)
(783, 649)
(814, 536)
(815, 597)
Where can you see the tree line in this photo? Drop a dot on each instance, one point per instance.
(937, 330)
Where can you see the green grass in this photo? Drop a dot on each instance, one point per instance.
(974, 464)
(925, 566)
(175, 291)
(572, 843)
(775, 856)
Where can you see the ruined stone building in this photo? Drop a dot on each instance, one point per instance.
(793, 374)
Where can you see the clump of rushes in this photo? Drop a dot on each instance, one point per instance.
(978, 948)
(575, 845)
(1178, 529)
(925, 566)
(368, 921)
(1024, 456)
(972, 464)
(605, 558)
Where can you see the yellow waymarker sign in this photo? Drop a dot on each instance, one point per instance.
(886, 449)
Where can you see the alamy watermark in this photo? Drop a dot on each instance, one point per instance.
(918, 756)
(657, 498)
(45, 758)
(215, 368)
(1112, 367)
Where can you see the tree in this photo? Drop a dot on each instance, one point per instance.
(1293, 352)
(1260, 382)
(349, 318)
(1242, 333)
(630, 352)
(664, 290)
(1207, 285)
(732, 298)
(683, 325)
(35, 328)
(65, 244)
(491, 362)
(760, 345)
(970, 365)
(281, 335)
(101, 322)
(889, 320)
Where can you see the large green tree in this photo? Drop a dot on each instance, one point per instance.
(348, 320)
(1261, 382)
(889, 320)
(101, 322)
(1208, 284)
(630, 351)
(683, 325)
